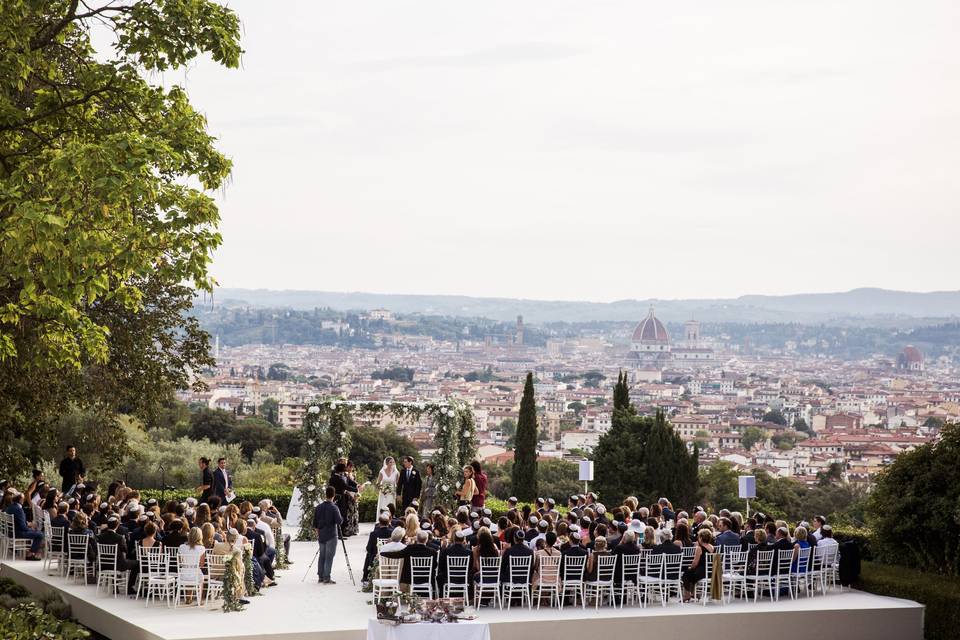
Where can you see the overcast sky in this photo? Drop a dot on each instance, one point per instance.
(589, 150)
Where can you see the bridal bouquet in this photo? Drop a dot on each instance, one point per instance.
(386, 489)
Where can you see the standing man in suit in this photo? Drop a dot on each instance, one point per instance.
(71, 469)
(409, 484)
(222, 481)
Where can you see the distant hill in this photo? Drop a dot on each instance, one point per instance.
(873, 305)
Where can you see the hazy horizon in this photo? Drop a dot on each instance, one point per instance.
(597, 152)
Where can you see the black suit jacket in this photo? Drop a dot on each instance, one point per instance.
(219, 486)
(409, 488)
(112, 537)
(572, 551)
(453, 550)
(413, 551)
(517, 550)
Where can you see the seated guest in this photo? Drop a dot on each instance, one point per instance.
(381, 531)
(681, 534)
(22, 529)
(599, 550)
(697, 570)
(782, 545)
(518, 549)
(60, 520)
(666, 544)
(574, 549)
(800, 533)
(456, 549)
(174, 536)
(760, 535)
(111, 536)
(727, 537)
(396, 540)
(827, 540)
(818, 523)
(80, 526)
(418, 549)
(549, 550)
(193, 556)
(147, 541)
(485, 548)
(649, 538)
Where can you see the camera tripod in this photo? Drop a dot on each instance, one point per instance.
(346, 556)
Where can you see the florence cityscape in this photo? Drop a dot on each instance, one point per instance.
(412, 319)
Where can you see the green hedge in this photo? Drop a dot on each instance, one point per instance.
(279, 495)
(863, 537)
(940, 594)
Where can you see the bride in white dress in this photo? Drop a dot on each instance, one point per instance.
(387, 484)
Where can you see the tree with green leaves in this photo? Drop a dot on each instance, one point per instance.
(621, 392)
(106, 207)
(643, 456)
(751, 436)
(214, 425)
(913, 507)
(524, 474)
(775, 416)
(253, 434)
(269, 410)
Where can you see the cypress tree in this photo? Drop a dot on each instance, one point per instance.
(621, 393)
(524, 473)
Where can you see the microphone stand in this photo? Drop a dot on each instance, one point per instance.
(163, 483)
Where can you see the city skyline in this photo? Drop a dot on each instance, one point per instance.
(629, 151)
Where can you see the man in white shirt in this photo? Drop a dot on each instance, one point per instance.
(819, 522)
(265, 528)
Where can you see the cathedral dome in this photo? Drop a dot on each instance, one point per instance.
(651, 331)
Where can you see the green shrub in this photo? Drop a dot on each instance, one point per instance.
(10, 588)
(940, 594)
(279, 495)
(28, 621)
(863, 538)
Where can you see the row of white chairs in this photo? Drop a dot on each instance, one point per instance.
(164, 574)
(645, 578)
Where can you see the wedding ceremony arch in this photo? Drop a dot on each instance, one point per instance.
(327, 438)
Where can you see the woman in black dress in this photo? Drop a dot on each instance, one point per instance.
(698, 568)
(206, 482)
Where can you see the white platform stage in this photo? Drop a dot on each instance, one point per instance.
(296, 610)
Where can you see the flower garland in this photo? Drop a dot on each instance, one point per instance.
(446, 458)
(466, 432)
(248, 584)
(327, 437)
(282, 562)
(233, 579)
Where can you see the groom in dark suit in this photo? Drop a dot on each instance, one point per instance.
(409, 484)
(222, 481)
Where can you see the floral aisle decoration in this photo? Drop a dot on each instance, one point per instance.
(282, 560)
(233, 581)
(327, 437)
(248, 584)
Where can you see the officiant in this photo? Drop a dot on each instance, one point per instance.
(343, 485)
